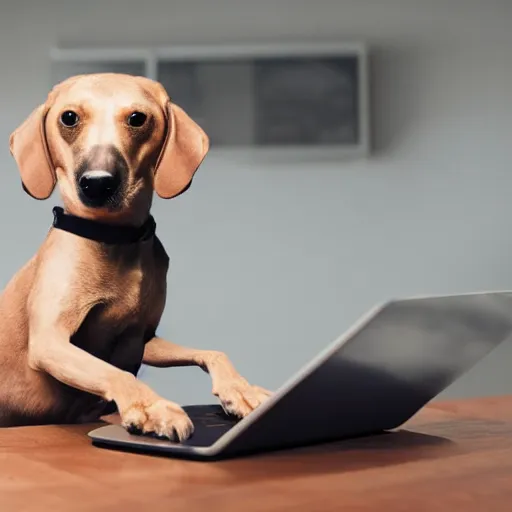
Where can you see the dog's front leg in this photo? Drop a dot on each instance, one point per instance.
(236, 395)
(53, 317)
(140, 408)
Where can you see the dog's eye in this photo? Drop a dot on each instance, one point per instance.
(69, 118)
(137, 119)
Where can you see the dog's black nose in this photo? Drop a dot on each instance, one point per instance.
(98, 187)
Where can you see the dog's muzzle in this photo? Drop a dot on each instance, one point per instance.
(101, 176)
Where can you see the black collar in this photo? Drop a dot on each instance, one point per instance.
(102, 232)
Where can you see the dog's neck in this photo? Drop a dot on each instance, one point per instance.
(103, 232)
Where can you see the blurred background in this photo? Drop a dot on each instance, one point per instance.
(274, 254)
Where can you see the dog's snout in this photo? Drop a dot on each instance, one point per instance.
(98, 186)
(100, 177)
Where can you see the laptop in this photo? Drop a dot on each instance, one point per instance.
(372, 379)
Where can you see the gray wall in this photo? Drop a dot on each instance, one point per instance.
(272, 260)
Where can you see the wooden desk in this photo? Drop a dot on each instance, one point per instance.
(452, 456)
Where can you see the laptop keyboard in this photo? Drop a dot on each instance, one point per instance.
(210, 423)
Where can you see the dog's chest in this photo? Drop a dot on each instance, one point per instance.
(137, 282)
(130, 289)
(135, 291)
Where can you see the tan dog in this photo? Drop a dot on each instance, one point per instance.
(81, 316)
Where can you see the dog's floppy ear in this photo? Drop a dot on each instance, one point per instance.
(28, 146)
(184, 149)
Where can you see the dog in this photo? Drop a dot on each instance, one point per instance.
(81, 316)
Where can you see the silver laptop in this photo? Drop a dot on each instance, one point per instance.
(372, 379)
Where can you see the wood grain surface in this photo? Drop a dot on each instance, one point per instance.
(451, 456)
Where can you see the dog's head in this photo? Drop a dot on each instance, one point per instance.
(108, 140)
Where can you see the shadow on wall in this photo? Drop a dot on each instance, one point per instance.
(395, 94)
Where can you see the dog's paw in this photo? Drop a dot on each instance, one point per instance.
(239, 398)
(161, 418)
